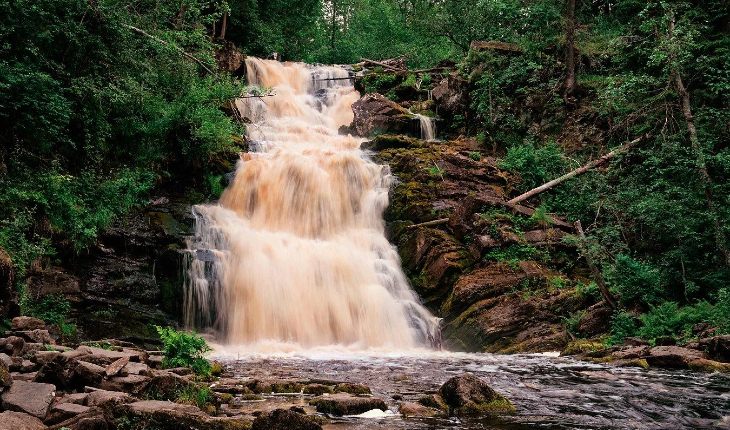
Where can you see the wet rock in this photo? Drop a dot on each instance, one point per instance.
(155, 361)
(704, 365)
(29, 397)
(10, 420)
(434, 401)
(350, 388)
(24, 323)
(468, 395)
(375, 114)
(450, 96)
(282, 419)
(717, 347)
(673, 356)
(408, 409)
(63, 411)
(631, 352)
(165, 415)
(103, 397)
(345, 404)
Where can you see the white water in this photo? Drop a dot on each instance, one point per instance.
(294, 256)
(428, 127)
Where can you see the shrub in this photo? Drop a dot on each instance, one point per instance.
(194, 394)
(635, 281)
(475, 155)
(534, 164)
(623, 325)
(182, 349)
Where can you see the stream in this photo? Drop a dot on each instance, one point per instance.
(548, 392)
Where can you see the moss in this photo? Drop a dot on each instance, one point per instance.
(356, 389)
(498, 405)
(703, 365)
(286, 387)
(581, 346)
(434, 401)
(318, 389)
(634, 362)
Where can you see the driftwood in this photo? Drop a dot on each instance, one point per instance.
(597, 276)
(384, 64)
(182, 51)
(430, 223)
(579, 171)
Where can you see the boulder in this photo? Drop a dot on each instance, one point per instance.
(165, 384)
(6, 379)
(133, 368)
(63, 411)
(58, 371)
(29, 397)
(103, 397)
(43, 357)
(163, 415)
(13, 345)
(345, 404)
(375, 114)
(674, 357)
(717, 347)
(24, 323)
(317, 389)
(36, 336)
(350, 388)
(87, 374)
(282, 419)
(10, 420)
(5, 358)
(468, 395)
(105, 357)
(77, 398)
(134, 384)
(417, 410)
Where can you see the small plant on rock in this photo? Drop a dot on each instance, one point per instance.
(183, 349)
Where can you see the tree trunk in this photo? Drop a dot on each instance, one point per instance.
(224, 26)
(597, 276)
(579, 171)
(684, 97)
(333, 24)
(570, 53)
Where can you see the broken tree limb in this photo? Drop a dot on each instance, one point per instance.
(579, 171)
(384, 65)
(182, 51)
(430, 223)
(597, 276)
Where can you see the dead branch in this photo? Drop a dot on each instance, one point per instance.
(182, 51)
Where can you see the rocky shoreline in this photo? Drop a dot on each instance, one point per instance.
(112, 384)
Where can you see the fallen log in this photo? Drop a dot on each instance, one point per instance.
(164, 42)
(384, 65)
(579, 171)
(430, 223)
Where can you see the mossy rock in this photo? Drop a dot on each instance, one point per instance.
(582, 346)
(704, 365)
(355, 389)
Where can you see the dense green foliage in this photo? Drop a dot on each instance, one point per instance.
(94, 113)
(184, 349)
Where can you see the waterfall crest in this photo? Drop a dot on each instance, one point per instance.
(295, 249)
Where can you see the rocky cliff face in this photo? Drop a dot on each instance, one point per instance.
(499, 275)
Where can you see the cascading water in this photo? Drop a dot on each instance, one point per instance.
(428, 127)
(295, 250)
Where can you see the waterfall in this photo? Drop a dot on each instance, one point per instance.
(428, 127)
(295, 251)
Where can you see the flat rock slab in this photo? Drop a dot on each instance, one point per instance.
(116, 366)
(345, 404)
(10, 420)
(63, 411)
(27, 323)
(102, 397)
(105, 357)
(673, 356)
(30, 397)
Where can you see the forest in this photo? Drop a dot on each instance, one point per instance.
(102, 102)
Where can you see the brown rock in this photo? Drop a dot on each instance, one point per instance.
(375, 114)
(11, 420)
(596, 320)
(77, 398)
(717, 347)
(88, 374)
(92, 423)
(116, 366)
(134, 384)
(29, 397)
(103, 397)
(36, 336)
(23, 323)
(631, 352)
(673, 356)
(408, 409)
(282, 419)
(133, 368)
(468, 395)
(6, 379)
(13, 345)
(345, 404)
(43, 357)
(350, 388)
(104, 357)
(63, 411)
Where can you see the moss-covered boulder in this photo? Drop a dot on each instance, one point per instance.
(468, 395)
